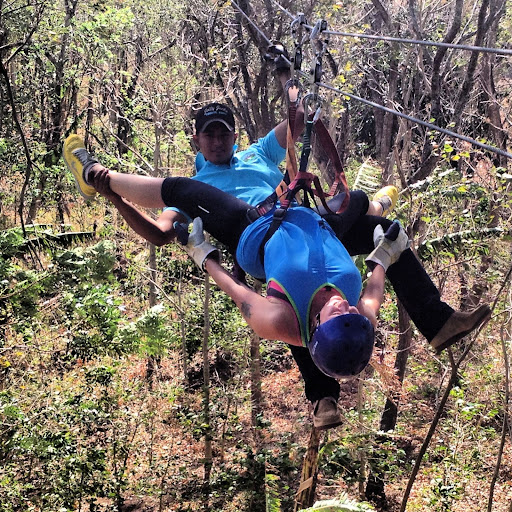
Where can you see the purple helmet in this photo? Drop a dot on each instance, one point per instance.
(342, 346)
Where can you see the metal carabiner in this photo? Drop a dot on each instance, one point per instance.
(297, 59)
(316, 71)
(296, 28)
(320, 26)
(299, 21)
(314, 102)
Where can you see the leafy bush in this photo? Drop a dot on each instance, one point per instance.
(66, 446)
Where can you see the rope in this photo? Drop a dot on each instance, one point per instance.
(269, 42)
(423, 123)
(483, 49)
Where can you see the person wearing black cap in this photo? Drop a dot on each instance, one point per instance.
(251, 176)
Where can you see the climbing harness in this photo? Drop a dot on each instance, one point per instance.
(297, 178)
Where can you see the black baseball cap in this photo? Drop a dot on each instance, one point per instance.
(215, 113)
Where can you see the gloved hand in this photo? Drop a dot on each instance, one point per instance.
(277, 53)
(197, 248)
(388, 246)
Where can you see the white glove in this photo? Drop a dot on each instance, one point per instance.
(197, 248)
(388, 246)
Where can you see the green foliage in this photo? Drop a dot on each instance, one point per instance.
(343, 458)
(444, 494)
(149, 333)
(71, 442)
(93, 316)
(272, 501)
(95, 263)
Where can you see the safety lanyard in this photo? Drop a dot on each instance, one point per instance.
(298, 179)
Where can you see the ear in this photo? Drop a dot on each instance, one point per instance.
(195, 140)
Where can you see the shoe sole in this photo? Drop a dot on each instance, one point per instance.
(328, 426)
(78, 184)
(71, 166)
(481, 321)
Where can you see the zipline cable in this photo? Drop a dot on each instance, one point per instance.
(418, 121)
(412, 119)
(483, 49)
(242, 12)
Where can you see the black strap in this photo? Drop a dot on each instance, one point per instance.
(277, 218)
(262, 208)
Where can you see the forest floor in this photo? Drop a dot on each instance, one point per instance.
(161, 429)
(442, 484)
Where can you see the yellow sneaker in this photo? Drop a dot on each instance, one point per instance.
(77, 160)
(387, 197)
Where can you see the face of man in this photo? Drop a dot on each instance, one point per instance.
(216, 143)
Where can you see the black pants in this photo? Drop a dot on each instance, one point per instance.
(225, 217)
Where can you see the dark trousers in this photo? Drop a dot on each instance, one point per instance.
(225, 218)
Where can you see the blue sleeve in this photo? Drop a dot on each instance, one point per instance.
(270, 148)
(179, 211)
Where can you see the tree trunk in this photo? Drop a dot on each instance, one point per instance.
(153, 361)
(389, 416)
(54, 125)
(256, 396)
(124, 126)
(308, 480)
(208, 457)
(492, 108)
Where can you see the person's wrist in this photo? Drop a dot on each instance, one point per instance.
(114, 198)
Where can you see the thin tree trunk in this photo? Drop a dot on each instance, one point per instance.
(390, 414)
(505, 333)
(182, 330)
(469, 77)
(308, 480)
(208, 457)
(256, 396)
(492, 107)
(153, 360)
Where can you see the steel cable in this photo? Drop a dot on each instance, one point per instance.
(412, 119)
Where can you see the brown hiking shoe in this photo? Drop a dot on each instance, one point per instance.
(326, 413)
(460, 325)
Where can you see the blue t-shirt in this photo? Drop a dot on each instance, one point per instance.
(302, 257)
(252, 175)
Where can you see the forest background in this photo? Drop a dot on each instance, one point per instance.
(126, 381)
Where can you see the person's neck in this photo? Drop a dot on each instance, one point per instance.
(319, 300)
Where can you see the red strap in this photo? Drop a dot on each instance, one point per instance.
(324, 138)
(340, 181)
(291, 156)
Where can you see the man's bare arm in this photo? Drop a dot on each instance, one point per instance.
(268, 319)
(159, 232)
(373, 295)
